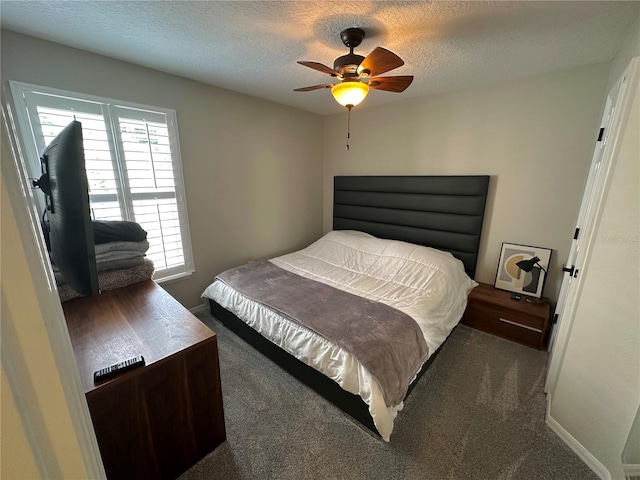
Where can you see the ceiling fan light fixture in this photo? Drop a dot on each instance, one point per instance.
(349, 94)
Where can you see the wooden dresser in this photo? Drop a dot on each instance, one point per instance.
(494, 311)
(158, 420)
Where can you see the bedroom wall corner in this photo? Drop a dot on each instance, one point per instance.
(534, 137)
(629, 49)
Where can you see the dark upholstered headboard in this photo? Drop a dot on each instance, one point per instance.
(443, 212)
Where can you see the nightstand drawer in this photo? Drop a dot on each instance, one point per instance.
(526, 320)
(493, 311)
(503, 323)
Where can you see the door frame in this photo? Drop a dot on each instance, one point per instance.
(627, 83)
(31, 397)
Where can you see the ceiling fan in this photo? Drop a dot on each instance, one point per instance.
(357, 74)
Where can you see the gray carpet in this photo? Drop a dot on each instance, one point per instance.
(477, 413)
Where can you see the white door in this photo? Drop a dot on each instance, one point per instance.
(617, 105)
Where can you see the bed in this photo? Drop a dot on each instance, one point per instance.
(390, 235)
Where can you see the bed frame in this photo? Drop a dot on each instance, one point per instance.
(443, 212)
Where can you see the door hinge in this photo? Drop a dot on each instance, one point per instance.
(555, 318)
(575, 235)
(570, 270)
(601, 134)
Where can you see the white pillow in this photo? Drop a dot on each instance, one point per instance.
(356, 233)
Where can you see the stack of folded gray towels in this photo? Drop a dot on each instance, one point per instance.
(120, 257)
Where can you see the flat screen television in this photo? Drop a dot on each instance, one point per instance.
(64, 182)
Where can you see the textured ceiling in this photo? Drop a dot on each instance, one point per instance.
(252, 46)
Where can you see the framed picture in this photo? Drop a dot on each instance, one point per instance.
(512, 278)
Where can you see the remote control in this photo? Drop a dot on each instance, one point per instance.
(118, 368)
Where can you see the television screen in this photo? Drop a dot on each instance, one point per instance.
(64, 182)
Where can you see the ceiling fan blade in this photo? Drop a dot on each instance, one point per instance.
(391, 84)
(380, 61)
(320, 67)
(315, 87)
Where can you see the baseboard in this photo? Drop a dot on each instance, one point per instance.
(631, 469)
(592, 462)
(199, 309)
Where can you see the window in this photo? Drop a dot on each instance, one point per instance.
(132, 158)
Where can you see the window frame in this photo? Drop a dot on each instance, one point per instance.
(31, 146)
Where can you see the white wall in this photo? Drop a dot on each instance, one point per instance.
(629, 49)
(631, 453)
(17, 458)
(599, 379)
(252, 168)
(534, 137)
(598, 390)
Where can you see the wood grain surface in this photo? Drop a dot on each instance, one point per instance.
(158, 420)
(140, 319)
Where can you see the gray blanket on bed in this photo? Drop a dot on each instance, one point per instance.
(387, 342)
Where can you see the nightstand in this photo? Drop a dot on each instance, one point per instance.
(494, 311)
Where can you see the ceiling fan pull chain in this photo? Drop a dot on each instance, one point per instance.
(348, 128)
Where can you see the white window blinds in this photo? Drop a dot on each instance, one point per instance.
(132, 158)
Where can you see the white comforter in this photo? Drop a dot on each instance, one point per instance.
(427, 284)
